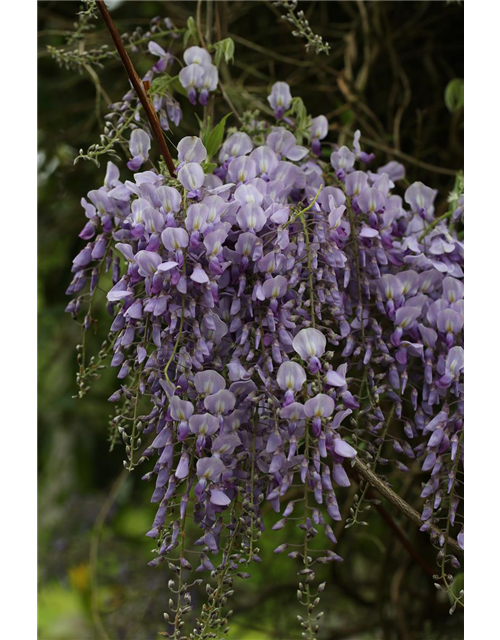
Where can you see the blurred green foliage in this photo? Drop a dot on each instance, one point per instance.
(386, 73)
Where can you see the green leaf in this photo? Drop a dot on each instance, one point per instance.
(191, 31)
(454, 94)
(214, 140)
(208, 167)
(224, 48)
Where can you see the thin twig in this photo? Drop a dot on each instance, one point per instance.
(398, 502)
(137, 84)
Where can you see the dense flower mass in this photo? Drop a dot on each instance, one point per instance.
(282, 315)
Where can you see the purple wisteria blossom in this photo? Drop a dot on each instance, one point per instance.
(276, 320)
(280, 99)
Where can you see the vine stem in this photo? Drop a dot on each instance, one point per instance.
(434, 224)
(398, 502)
(138, 86)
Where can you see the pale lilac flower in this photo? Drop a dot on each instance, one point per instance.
(343, 449)
(221, 402)
(421, 199)
(291, 377)
(318, 129)
(148, 262)
(209, 83)
(283, 143)
(170, 199)
(337, 378)
(139, 145)
(395, 170)
(242, 169)
(321, 406)
(251, 217)
(453, 289)
(225, 444)
(191, 176)
(275, 287)
(309, 343)
(203, 425)
(209, 468)
(238, 144)
(191, 78)
(209, 382)
(164, 57)
(180, 410)
(197, 55)
(175, 238)
(293, 412)
(191, 149)
(343, 159)
(196, 217)
(280, 98)
(265, 159)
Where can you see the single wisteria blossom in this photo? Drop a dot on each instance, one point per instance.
(395, 170)
(280, 98)
(321, 406)
(139, 145)
(343, 449)
(209, 468)
(209, 382)
(196, 218)
(238, 144)
(191, 149)
(191, 78)
(191, 176)
(180, 410)
(175, 238)
(265, 159)
(310, 344)
(203, 425)
(251, 217)
(291, 377)
(421, 199)
(318, 129)
(453, 289)
(225, 444)
(169, 198)
(164, 57)
(222, 401)
(148, 262)
(275, 287)
(209, 83)
(242, 169)
(284, 143)
(343, 159)
(197, 55)
(364, 157)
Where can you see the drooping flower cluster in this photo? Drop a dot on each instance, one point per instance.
(281, 315)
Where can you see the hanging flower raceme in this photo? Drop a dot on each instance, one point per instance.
(267, 317)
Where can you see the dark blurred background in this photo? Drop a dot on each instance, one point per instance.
(389, 67)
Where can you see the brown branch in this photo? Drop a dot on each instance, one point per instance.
(398, 502)
(137, 84)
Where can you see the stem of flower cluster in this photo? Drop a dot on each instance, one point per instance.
(435, 223)
(138, 86)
